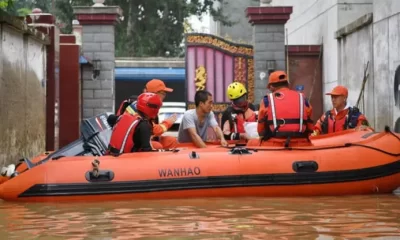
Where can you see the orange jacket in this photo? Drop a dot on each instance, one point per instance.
(262, 113)
(337, 121)
(158, 128)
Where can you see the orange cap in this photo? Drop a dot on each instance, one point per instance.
(156, 85)
(339, 90)
(277, 76)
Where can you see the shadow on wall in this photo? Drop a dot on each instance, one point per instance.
(396, 89)
(22, 109)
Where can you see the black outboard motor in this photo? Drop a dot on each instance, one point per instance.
(94, 140)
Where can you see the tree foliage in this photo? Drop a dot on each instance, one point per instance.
(24, 7)
(6, 4)
(149, 27)
(154, 28)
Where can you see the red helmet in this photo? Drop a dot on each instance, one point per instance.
(149, 104)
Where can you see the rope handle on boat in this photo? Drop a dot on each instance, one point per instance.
(95, 167)
(387, 130)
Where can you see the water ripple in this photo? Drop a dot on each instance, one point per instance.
(324, 218)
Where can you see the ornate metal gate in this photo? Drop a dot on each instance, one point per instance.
(212, 63)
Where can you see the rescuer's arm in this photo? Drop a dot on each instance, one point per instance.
(310, 123)
(317, 130)
(217, 129)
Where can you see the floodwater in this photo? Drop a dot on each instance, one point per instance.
(322, 218)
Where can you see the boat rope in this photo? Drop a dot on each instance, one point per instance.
(346, 145)
(95, 165)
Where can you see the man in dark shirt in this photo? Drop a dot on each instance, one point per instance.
(142, 136)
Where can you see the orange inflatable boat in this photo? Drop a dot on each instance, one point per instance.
(350, 162)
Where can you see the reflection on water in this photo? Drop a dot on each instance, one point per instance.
(355, 217)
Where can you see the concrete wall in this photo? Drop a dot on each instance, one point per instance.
(386, 44)
(98, 95)
(314, 21)
(241, 30)
(355, 50)
(310, 21)
(150, 62)
(22, 92)
(269, 44)
(378, 42)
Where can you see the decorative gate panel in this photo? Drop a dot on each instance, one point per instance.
(212, 63)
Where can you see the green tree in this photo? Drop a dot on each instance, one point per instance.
(24, 7)
(149, 27)
(153, 27)
(6, 4)
(65, 13)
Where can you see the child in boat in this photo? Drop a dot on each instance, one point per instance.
(132, 132)
(235, 116)
(197, 122)
(342, 116)
(284, 117)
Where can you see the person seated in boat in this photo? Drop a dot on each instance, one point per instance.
(284, 117)
(112, 119)
(158, 141)
(236, 115)
(196, 122)
(342, 116)
(132, 132)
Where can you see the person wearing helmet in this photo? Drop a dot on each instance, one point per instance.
(112, 119)
(284, 116)
(235, 116)
(342, 116)
(160, 142)
(132, 132)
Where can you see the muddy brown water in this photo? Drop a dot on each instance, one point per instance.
(321, 218)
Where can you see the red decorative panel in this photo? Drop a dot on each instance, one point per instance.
(212, 63)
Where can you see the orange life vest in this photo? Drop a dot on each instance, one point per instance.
(122, 135)
(331, 124)
(287, 115)
(238, 124)
(123, 106)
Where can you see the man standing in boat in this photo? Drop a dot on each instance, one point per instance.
(342, 116)
(236, 115)
(196, 122)
(284, 118)
(132, 132)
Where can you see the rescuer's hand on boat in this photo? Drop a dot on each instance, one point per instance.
(224, 143)
(315, 133)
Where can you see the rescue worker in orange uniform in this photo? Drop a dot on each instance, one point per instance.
(126, 103)
(159, 142)
(234, 117)
(342, 116)
(112, 119)
(132, 132)
(284, 117)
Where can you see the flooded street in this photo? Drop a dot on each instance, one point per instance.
(322, 218)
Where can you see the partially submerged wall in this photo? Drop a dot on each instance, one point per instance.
(22, 90)
(374, 38)
(355, 43)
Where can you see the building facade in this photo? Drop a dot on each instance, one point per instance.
(353, 33)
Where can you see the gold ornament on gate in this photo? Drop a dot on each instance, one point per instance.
(200, 79)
